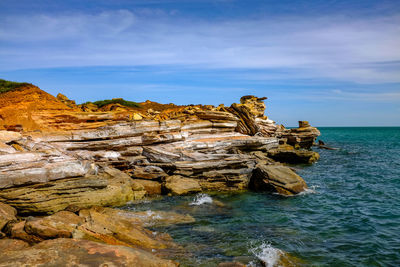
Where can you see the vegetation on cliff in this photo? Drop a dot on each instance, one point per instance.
(121, 101)
(6, 86)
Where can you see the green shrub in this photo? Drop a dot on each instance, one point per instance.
(6, 86)
(102, 103)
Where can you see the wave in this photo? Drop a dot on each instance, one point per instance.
(201, 199)
(267, 254)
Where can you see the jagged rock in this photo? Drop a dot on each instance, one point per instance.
(255, 104)
(114, 228)
(178, 185)
(276, 178)
(7, 213)
(7, 245)
(60, 224)
(293, 156)
(72, 252)
(151, 187)
(302, 137)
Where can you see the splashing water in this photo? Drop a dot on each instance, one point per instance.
(267, 254)
(201, 199)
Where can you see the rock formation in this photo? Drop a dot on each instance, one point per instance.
(58, 158)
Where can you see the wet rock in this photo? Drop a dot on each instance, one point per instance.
(151, 187)
(293, 156)
(276, 178)
(60, 224)
(103, 225)
(7, 213)
(72, 252)
(231, 264)
(178, 185)
(151, 218)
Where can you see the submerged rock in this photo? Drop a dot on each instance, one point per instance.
(276, 178)
(73, 252)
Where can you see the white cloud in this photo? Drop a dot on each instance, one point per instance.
(340, 48)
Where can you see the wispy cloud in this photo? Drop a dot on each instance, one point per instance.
(339, 48)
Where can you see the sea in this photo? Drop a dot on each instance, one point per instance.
(349, 216)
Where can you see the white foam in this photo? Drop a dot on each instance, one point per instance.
(267, 254)
(307, 191)
(201, 199)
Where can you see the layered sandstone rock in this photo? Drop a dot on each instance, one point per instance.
(277, 178)
(75, 252)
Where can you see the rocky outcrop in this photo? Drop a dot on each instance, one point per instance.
(278, 179)
(302, 137)
(287, 154)
(75, 252)
(31, 185)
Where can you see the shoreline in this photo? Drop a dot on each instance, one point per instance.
(59, 160)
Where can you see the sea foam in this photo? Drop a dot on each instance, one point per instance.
(201, 199)
(267, 254)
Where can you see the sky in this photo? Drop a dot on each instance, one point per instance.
(331, 62)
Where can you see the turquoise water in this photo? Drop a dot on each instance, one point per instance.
(350, 217)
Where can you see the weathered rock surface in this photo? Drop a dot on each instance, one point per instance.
(119, 228)
(278, 179)
(151, 187)
(7, 213)
(16, 230)
(60, 224)
(109, 187)
(178, 185)
(7, 245)
(73, 252)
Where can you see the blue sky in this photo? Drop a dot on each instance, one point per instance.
(334, 63)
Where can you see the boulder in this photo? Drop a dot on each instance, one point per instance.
(73, 252)
(276, 178)
(178, 185)
(60, 224)
(7, 213)
(151, 187)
